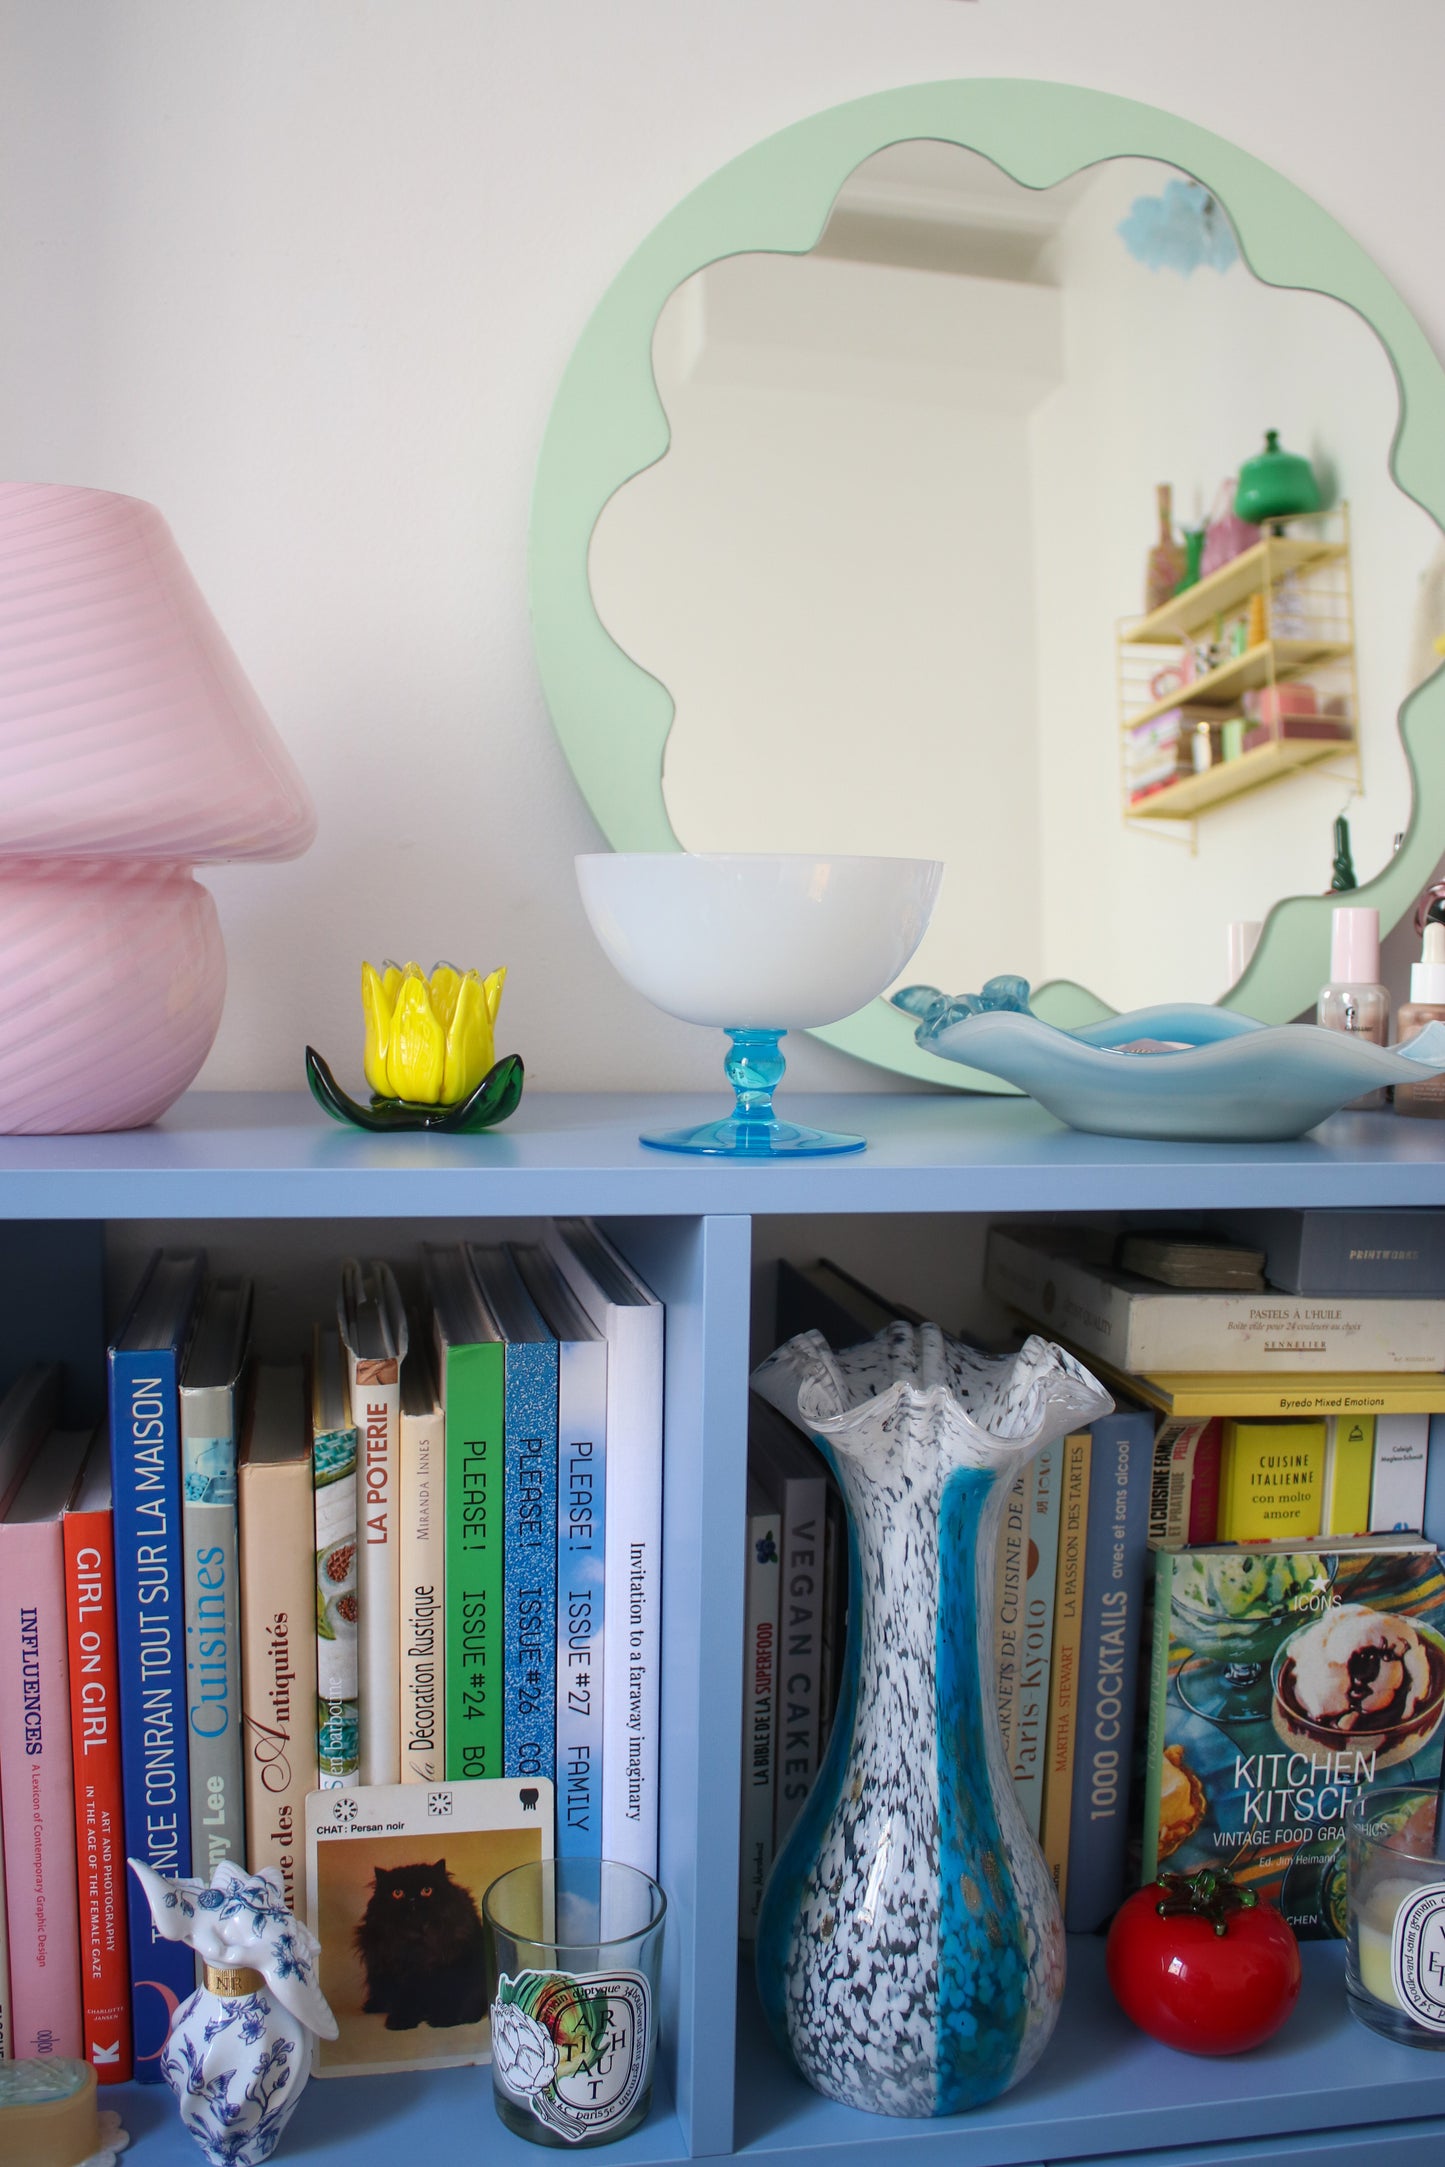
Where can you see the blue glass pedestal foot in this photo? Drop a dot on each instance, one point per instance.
(752, 1131)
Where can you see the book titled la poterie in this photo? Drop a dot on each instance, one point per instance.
(1116, 1555)
(421, 1567)
(581, 1551)
(373, 1329)
(278, 1623)
(37, 1791)
(471, 1376)
(88, 1533)
(529, 1490)
(210, 1386)
(1139, 1326)
(631, 1319)
(145, 1461)
(337, 1602)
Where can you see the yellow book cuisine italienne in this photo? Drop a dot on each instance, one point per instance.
(1271, 1481)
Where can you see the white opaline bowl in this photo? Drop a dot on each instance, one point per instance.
(748, 942)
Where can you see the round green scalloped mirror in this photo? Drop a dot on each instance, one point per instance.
(847, 537)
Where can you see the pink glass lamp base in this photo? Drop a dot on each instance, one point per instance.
(112, 977)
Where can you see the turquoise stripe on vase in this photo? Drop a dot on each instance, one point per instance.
(910, 1950)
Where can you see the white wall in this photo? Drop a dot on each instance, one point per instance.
(306, 272)
(1175, 379)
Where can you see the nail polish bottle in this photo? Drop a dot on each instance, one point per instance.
(1354, 1001)
(1425, 1005)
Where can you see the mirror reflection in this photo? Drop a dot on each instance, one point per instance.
(943, 560)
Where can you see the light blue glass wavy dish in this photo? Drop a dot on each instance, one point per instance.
(1216, 1077)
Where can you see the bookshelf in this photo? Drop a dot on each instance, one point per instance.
(224, 1168)
(1291, 595)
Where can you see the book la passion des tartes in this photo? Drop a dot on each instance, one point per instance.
(1284, 1678)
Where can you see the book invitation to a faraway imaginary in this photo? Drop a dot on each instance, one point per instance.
(395, 1876)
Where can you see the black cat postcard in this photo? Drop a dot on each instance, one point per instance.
(395, 1876)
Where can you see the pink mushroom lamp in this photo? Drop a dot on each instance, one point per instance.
(132, 748)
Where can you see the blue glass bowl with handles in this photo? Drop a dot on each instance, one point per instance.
(1183, 1072)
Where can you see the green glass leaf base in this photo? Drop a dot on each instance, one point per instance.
(497, 1095)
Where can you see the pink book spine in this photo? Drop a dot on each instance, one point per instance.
(37, 1793)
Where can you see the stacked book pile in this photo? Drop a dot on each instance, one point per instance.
(428, 1548)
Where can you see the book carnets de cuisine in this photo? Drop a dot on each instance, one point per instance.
(1283, 1680)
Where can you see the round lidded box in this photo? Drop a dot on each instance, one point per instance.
(48, 2115)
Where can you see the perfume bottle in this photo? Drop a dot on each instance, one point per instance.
(1425, 1005)
(1354, 1000)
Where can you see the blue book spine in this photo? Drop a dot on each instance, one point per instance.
(1434, 1528)
(145, 1451)
(529, 1560)
(581, 1581)
(1116, 1552)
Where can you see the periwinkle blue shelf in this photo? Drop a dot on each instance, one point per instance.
(1324, 2091)
(274, 1155)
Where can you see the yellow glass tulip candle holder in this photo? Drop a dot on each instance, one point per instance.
(430, 1055)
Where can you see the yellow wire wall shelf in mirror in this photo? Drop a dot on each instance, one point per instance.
(1201, 716)
(626, 689)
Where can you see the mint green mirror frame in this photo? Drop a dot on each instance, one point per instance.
(608, 425)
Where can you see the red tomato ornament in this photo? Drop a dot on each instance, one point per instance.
(1202, 1965)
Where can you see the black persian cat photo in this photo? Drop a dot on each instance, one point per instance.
(420, 1943)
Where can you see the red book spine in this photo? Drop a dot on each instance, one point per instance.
(95, 1751)
(1204, 1486)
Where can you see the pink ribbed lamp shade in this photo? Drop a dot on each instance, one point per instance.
(131, 748)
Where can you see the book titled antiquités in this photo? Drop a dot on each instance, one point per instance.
(278, 1624)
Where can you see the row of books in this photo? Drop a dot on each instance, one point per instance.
(431, 1551)
(1179, 1487)
(1285, 1638)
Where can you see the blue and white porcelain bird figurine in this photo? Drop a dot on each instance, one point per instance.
(239, 2050)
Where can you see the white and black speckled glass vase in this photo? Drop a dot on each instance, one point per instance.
(910, 1953)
